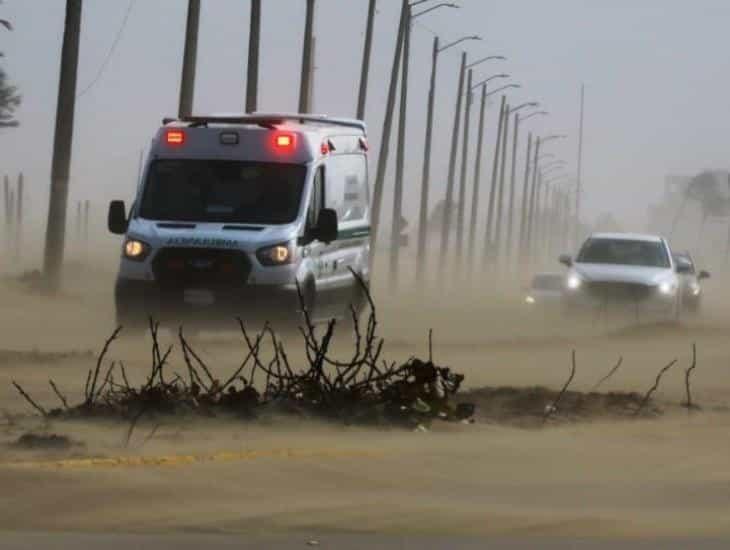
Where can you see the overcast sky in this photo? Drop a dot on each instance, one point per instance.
(656, 74)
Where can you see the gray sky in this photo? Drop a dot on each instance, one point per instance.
(655, 71)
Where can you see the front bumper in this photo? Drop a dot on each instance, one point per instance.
(137, 301)
(645, 300)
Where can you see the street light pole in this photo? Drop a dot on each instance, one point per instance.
(190, 53)
(579, 183)
(500, 194)
(471, 251)
(512, 189)
(305, 100)
(421, 257)
(425, 179)
(492, 190)
(367, 49)
(462, 184)
(510, 212)
(525, 196)
(387, 124)
(400, 159)
(464, 159)
(531, 210)
(254, 39)
(446, 224)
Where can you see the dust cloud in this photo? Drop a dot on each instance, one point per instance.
(603, 477)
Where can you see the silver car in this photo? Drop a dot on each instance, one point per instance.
(630, 271)
(546, 290)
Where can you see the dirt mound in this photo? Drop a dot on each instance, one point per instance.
(532, 406)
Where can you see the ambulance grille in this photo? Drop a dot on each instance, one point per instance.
(201, 267)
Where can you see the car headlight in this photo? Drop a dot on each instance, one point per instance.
(574, 282)
(529, 300)
(278, 254)
(136, 250)
(667, 287)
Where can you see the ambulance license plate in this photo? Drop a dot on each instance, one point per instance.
(198, 297)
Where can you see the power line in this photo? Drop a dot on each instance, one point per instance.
(113, 47)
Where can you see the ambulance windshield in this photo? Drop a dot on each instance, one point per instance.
(222, 191)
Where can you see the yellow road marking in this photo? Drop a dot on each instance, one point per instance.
(187, 459)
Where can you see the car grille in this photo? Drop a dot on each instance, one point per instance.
(186, 267)
(618, 291)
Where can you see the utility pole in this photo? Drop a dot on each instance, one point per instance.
(421, 263)
(312, 105)
(525, 201)
(400, 159)
(493, 188)
(305, 86)
(6, 204)
(579, 183)
(512, 191)
(254, 41)
(365, 72)
(462, 182)
(471, 250)
(531, 211)
(387, 124)
(78, 223)
(62, 146)
(19, 217)
(87, 209)
(446, 227)
(190, 54)
(500, 195)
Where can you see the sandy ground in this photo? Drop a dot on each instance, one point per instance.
(668, 477)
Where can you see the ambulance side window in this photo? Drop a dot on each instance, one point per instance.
(347, 186)
(317, 202)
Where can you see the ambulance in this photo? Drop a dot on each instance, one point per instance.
(233, 212)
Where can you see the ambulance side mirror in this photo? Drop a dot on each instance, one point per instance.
(117, 218)
(326, 230)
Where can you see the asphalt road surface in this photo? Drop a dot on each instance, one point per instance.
(59, 541)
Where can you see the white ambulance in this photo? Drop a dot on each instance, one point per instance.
(232, 211)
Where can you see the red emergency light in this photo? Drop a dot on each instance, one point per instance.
(284, 141)
(175, 138)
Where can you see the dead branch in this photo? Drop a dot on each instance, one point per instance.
(648, 394)
(60, 396)
(430, 345)
(687, 373)
(28, 398)
(609, 375)
(90, 390)
(552, 408)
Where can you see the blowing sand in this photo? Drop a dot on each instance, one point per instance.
(663, 477)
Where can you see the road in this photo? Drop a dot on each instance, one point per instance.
(34, 541)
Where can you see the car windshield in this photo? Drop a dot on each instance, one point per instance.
(624, 252)
(547, 282)
(222, 191)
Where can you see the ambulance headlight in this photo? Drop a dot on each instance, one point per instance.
(279, 254)
(136, 250)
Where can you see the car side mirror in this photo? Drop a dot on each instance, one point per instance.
(117, 218)
(703, 275)
(327, 226)
(683, 268)
(566, 260)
